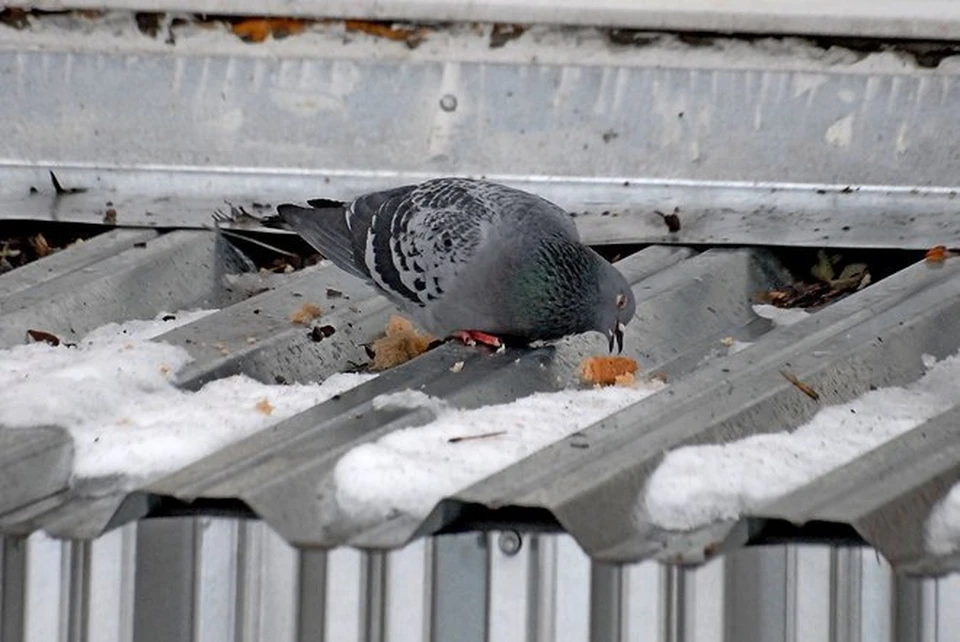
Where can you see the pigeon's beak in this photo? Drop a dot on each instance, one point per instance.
(617, 337)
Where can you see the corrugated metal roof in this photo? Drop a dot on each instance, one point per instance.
(689, 298)
(588, 484)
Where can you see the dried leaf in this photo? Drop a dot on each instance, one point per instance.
(305, 314)
(937, 254)
(251, 30)
(501, 34)
(39, 245)
(411, 35)
(263, 407)
(46, 337)
(110, 217)
(321, 332)
(801, 386)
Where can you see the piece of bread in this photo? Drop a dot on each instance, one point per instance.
(608, 371)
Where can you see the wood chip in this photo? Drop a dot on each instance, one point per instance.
(305, 314)
(801, 386)
(485, 435)
(263, 407)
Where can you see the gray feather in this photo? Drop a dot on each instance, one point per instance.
(460, 254)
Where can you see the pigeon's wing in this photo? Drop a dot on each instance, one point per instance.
(420, 242)
(335, 229)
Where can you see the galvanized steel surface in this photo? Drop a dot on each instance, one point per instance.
(221, 579)
(932, 19)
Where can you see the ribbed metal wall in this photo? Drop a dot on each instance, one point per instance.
(220, 580)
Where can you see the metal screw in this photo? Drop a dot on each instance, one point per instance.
(448, 102)
(510, 542)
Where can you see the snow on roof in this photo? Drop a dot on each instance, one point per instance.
(114, 393)
(695, 486)
(409, 471)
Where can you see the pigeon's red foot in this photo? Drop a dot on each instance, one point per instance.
(473, 337)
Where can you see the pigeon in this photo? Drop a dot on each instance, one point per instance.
(472, 260)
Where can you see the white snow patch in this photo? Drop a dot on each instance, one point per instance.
(699, 485)
(410, 470)
(780, 316)
(114, 393)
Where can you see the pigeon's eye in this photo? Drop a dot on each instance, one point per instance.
(621, 301)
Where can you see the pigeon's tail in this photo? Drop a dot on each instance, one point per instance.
(324, 226)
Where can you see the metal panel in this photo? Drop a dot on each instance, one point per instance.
(164, 594)
(854, 119)
(34, 463)
(460, 588)
(934, 19)
(183, 269)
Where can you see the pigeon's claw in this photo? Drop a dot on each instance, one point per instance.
(473, 337)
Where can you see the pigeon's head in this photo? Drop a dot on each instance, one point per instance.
(614, 306)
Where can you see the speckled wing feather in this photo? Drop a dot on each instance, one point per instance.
(420, 241)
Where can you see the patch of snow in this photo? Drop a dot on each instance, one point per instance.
(697, 485)
(410, 470)
(114, 393)
(780, 316)
(409, 400)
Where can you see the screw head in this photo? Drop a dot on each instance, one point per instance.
(448, 102)
(510, 542)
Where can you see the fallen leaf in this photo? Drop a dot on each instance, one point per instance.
(321, 332)
(46, 337)
(801, 386)
(40, 245)
(305, 314)
(411, 35)
(258, 29)
(110, 217)
(263, 407)
(937, 254)
(501, 34)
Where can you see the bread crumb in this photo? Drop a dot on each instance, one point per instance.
(625, 380)
(305, 314)
(457, 367)
(605, 370)
(728, 341)
(263, 407)
(400, 344)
